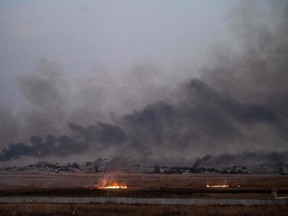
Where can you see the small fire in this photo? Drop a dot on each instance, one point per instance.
(217, 186)
(114, 186)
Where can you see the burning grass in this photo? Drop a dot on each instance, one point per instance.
(110, 183)
(113, 186)
(217, 186)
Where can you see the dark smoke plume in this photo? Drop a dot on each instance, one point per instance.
(239, 103)
(249, 159)
(39, 147)
(202, 117)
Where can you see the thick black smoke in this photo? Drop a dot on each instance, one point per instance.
(203, 117)
(249, 159)
(64, 145)
(39, 147)
(239, 103)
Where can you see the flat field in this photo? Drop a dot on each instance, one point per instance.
(45, 209)
(145, 185)
(142, 185)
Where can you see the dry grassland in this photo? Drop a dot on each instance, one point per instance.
(146, 185)
(33, 209)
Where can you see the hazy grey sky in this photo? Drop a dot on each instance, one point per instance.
(80, 34)
(86, 37)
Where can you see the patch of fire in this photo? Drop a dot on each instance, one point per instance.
(113, 186)
(217, 186)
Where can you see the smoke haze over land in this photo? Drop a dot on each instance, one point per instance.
(236, 101)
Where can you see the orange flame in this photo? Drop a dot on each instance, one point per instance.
(218, 186)
(114, 186)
